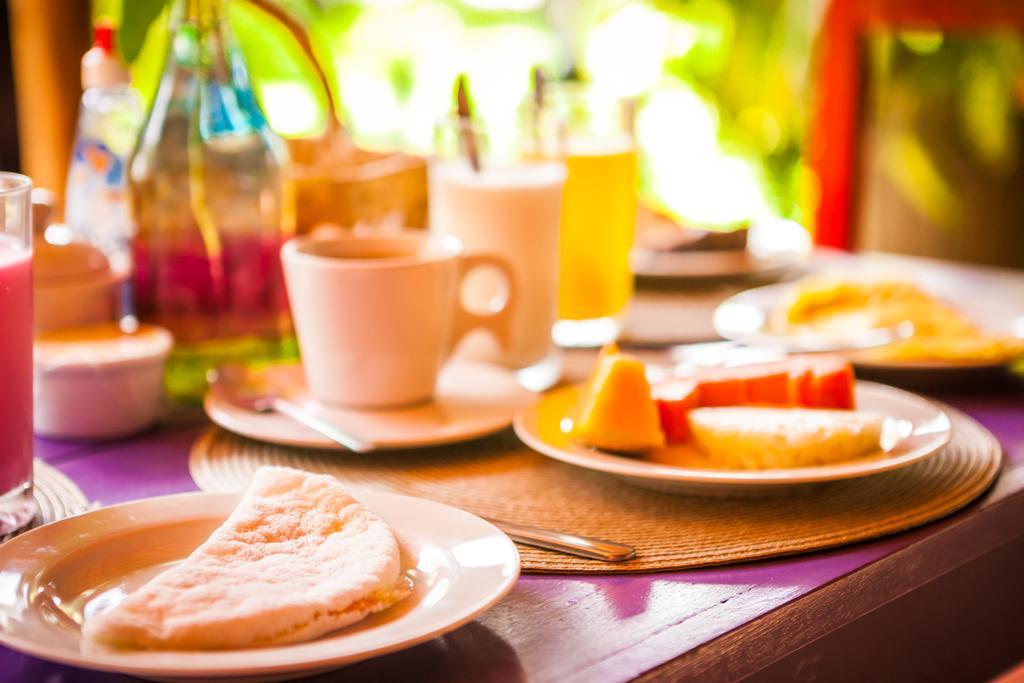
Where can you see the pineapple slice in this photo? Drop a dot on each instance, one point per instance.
(777, 438)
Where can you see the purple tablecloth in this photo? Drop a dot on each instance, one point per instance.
(613, 628)
(606, 628)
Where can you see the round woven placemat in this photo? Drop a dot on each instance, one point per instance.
(500, 478)
(56, 496)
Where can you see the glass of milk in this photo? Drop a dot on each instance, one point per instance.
(511, 207)
(17, 506)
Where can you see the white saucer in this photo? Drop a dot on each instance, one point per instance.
(915, 429)
(459, 564)
(473, 399)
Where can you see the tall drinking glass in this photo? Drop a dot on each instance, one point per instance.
(17, 506)
(592, 132)
(509, 207)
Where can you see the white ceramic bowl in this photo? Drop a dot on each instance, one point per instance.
(99, 383)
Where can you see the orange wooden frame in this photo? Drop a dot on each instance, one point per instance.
(833, 144)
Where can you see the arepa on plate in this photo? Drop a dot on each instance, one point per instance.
(298, 557)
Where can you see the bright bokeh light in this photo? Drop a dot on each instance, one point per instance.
(513, 5)
(681, 38)
(431, 41)
(690, 174)
(371, 104)
(425, 44)
(625, 53)
(500, 60)
(290, 108)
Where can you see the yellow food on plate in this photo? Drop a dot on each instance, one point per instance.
(980, 348)
(297, 558)
(834, 304)
(617, 412)
(779, 438)
(847, 306)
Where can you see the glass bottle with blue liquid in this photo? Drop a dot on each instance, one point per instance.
(212, 204)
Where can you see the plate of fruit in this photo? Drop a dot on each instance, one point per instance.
(736, 430)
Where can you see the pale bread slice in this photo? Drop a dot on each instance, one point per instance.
(773, 438)
(297, 558)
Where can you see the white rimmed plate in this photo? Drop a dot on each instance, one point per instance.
(744, 318)
(473, 399)
(915, 429)
(460, 566)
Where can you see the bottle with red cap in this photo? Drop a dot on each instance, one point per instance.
(111, 113)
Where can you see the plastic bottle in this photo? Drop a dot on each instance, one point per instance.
(96, 208)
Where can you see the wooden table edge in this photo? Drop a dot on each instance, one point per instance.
(750, 648)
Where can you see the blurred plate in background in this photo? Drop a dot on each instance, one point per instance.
(746, 318)
(773, 248)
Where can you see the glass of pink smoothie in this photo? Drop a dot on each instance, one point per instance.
(17, 506)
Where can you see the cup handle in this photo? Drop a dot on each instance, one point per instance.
(499, 322)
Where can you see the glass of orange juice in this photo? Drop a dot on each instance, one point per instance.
(591, 131)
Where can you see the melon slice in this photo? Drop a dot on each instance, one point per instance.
(617, 412)
(778, 438)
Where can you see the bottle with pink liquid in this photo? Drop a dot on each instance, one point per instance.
(212, 206)
(17, 506)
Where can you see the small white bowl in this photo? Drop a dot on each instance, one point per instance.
(97, 383)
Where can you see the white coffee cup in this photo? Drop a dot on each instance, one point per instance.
(377, 316)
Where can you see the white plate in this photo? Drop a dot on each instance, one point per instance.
(773, 248)
(473, 399)
(708, 265)
(460, 566)
(744, 318)
(914, 430)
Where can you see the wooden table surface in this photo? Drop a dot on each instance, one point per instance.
(941, 602)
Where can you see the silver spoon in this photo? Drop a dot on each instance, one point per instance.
(570, 544)
(235, 385)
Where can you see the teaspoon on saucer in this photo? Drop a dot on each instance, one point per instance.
(236, 386)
